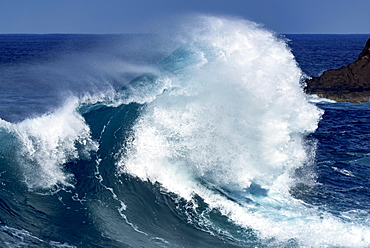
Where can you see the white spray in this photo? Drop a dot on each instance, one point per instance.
(234, 114)
(48, 142)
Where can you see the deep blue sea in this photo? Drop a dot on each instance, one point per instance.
(200, 138)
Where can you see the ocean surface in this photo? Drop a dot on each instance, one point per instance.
(198, 138)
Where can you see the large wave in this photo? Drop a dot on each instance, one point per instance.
(232, 111)
(230, 128)
(220, 127)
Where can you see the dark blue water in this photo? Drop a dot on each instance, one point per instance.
(137, 141)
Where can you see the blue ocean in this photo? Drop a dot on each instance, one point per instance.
(199, 137)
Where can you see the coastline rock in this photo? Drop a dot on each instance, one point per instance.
(350, 83)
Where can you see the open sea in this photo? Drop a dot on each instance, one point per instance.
(198, 138)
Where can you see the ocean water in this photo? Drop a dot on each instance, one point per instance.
(198, 138)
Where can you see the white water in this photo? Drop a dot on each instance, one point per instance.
(48, 142)
(234, 114)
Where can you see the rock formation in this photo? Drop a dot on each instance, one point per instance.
(350, 83)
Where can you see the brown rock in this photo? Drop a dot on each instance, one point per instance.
(350, 83)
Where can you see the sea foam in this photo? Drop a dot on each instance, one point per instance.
(50, 141)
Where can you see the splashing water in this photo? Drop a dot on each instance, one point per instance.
(50, 141)
(234, 113)
(231, 124)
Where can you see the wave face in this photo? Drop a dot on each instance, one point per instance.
(207, 149)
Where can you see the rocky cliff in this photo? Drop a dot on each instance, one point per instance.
(350, 83)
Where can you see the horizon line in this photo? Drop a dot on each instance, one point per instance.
(142, 33)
